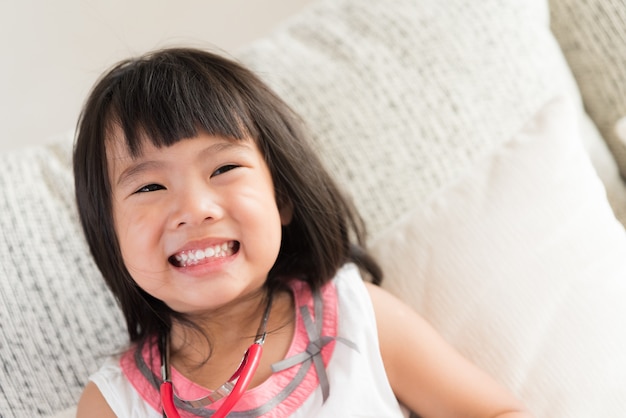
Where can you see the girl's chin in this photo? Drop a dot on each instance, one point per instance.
(199, 308)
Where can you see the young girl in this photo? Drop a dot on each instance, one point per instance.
(236, 262)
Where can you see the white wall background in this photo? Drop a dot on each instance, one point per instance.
(53, 51)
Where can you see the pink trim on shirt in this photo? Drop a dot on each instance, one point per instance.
(263, 393)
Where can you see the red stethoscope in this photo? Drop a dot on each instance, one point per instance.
(232, 390)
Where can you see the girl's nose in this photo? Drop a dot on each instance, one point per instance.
(194, 206)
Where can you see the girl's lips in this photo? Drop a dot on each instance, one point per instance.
(196, 256)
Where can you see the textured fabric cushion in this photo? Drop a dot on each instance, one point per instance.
(67, 413)
(57, 319)
(403, 96)
(520, 264)
(620, 130)
(592, 34)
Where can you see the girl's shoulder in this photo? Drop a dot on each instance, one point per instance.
(351, 289)
(111, 382)
(346, 287)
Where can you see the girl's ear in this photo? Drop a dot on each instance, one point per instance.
(285, 209)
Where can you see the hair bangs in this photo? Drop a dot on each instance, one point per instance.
(166, 100)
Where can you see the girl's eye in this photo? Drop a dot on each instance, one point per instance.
(150, 188)
(223, 169)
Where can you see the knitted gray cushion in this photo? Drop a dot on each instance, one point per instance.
(592, 34)
(57, 319)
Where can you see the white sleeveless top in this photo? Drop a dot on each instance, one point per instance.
(344, 378)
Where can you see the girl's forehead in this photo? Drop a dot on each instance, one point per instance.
(118, 146)
(115, 145)
(203, 147)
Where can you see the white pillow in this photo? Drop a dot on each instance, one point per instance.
(606, 167)
(403, 96)
(522, 266)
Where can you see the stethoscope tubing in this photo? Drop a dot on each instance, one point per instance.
(167, 400)
(251, 363)
(254, 358)
(244, 374)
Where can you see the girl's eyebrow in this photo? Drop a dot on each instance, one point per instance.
(223, 146)
(136, 169)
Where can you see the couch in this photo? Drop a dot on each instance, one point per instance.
(483, 144)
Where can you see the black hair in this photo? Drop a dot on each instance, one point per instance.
(173, 94)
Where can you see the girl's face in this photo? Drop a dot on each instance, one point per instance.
(197, 222)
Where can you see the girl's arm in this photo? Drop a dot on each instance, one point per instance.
(427, 374)
(93, 404)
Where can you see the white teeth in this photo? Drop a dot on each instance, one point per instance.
(189, 258)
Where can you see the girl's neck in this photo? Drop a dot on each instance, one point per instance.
(224, 327)
(216, 348)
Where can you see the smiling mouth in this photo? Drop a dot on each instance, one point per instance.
(194, 257)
